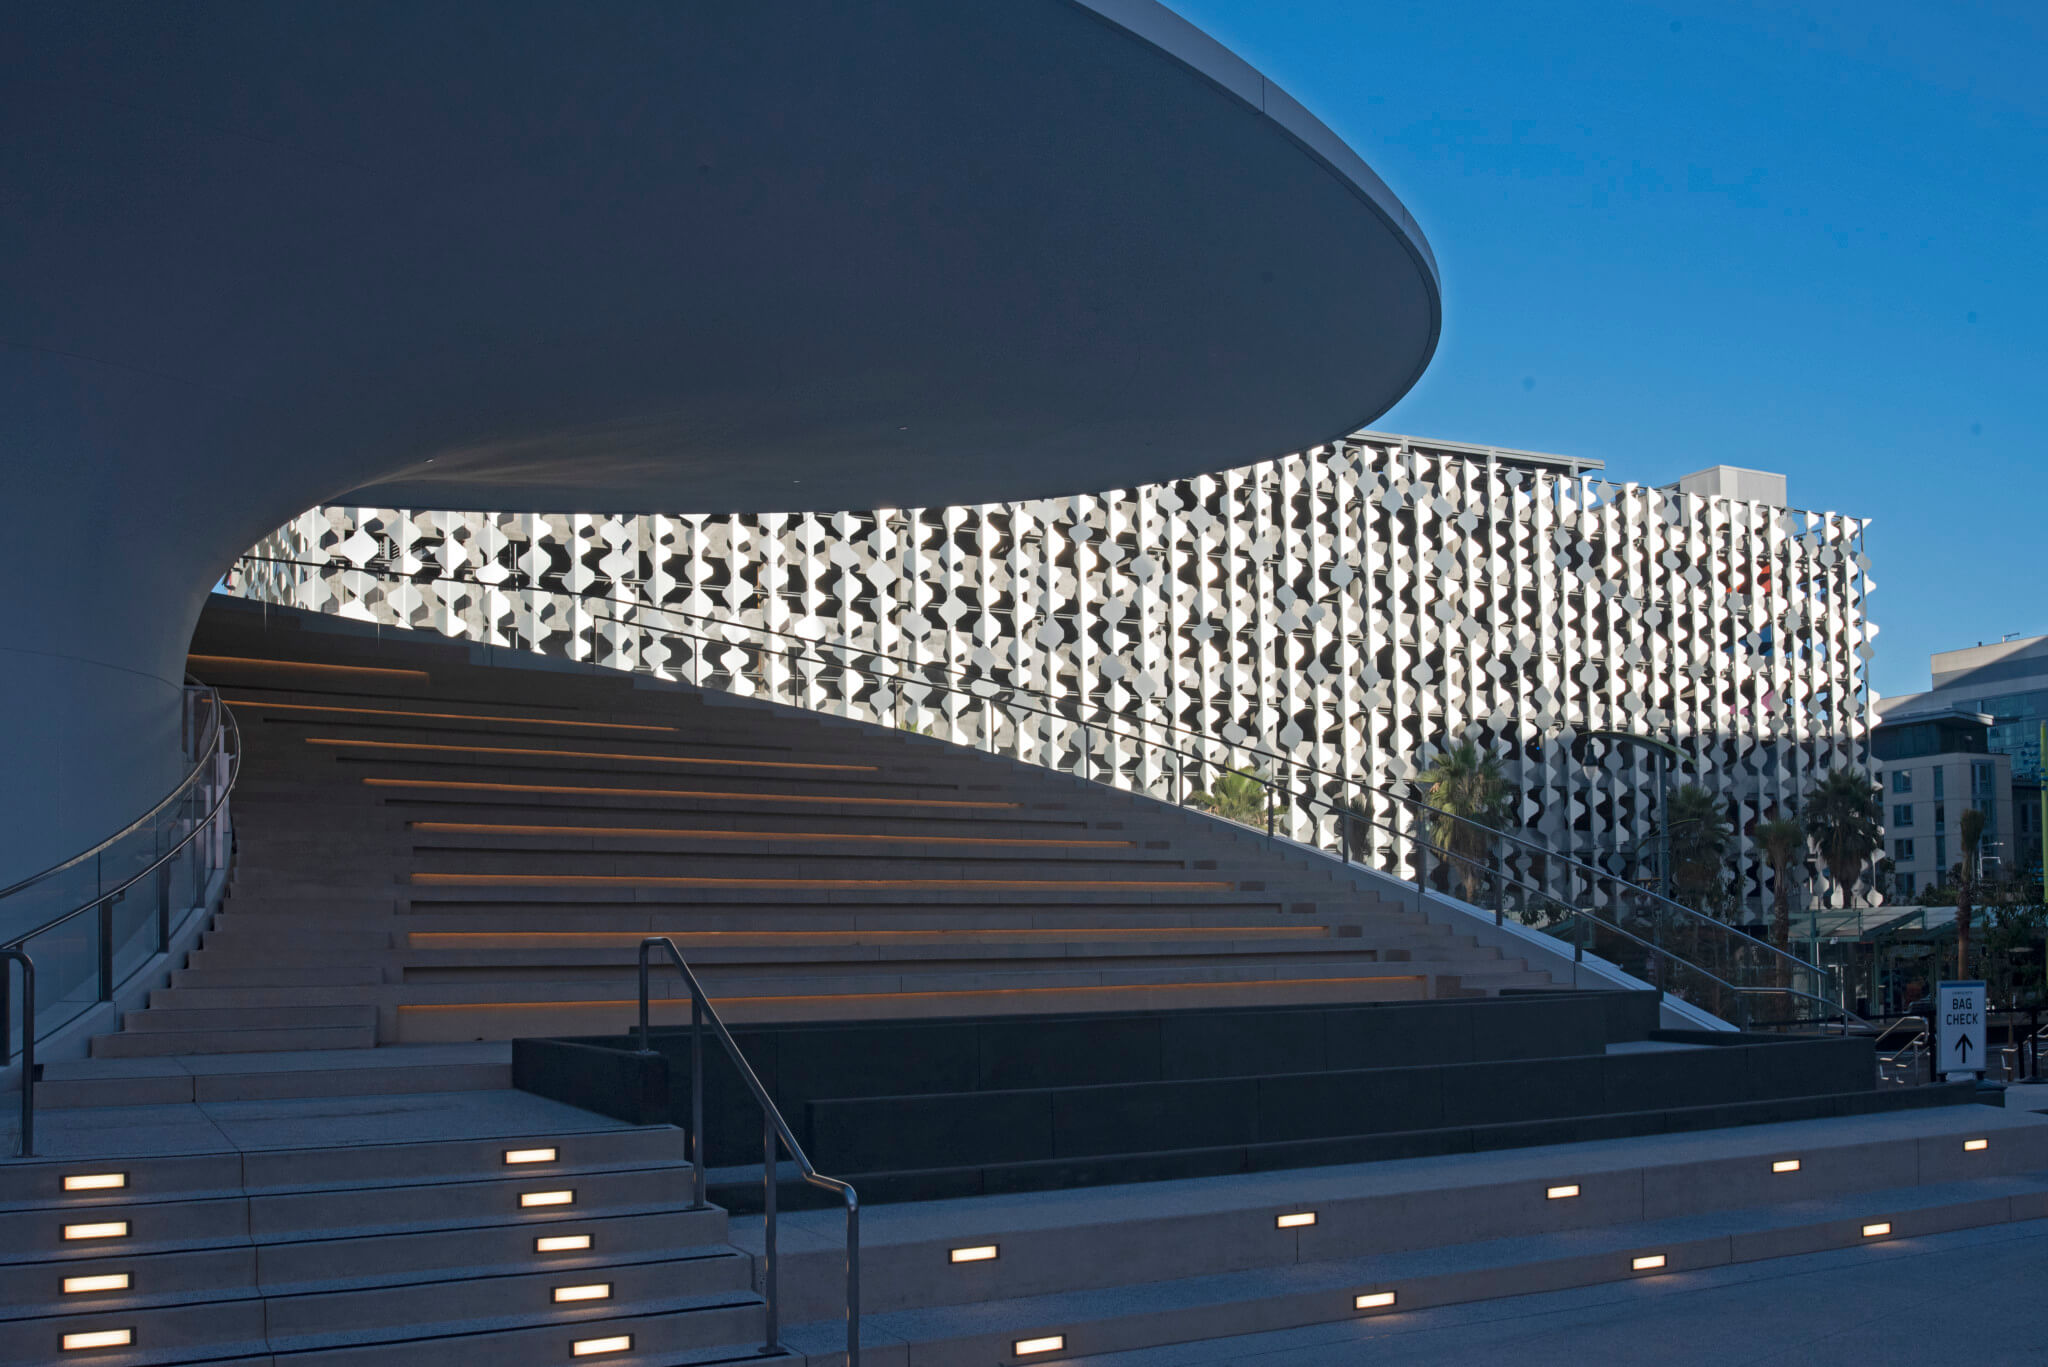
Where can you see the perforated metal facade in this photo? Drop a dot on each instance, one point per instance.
(1355, 607)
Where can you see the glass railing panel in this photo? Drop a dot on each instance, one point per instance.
(67, 973)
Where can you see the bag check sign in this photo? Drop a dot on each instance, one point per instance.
(1959, 1027)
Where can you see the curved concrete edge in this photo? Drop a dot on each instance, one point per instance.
(1151, 22)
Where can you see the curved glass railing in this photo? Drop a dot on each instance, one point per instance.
(1721, 968)
(77, 932)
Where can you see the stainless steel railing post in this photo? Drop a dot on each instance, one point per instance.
(775, 1135)
(768, 1268)
(697, 1201)
(28, 1045)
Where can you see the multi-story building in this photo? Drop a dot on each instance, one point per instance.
(1933, 766)
(2007, 683)
(1357, 608)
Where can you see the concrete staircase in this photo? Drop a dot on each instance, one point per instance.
(1060, 1276)
(490, 1249)
(434, 850)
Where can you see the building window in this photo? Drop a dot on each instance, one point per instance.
(1902, 781)
(1941, 816)
(1902, 851)
(1907, 886)
(1940, 856)
(1938, 774)
(1981, 775)
(1902, 814)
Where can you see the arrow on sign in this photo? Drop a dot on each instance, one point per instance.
(1963, 1049)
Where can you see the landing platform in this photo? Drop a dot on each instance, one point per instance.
(1883, 1303)
(298, 1123)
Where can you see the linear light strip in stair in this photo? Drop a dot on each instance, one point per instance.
(611, 1343)
(346, 743)
(96, 1181)
(676, 833)
(567, 789)
(728, 1003)
(561, 1243)
(104, 1229)
(310, 665)
(99, 1338)
(1373, 1300)
(603, 939)
(111, 1281)
(259, 704)
(614, 880)
(1045, 1343)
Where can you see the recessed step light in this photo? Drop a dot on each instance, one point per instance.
(596, 1291)
(615, 1343)
(561, 1243)
(99, 1338)
(96, 1181)
(1301, 1219)
(1564, 1193)
(1373, 1300)
(977, 1253)
(1976, 1145)
(112, 1281)
(1877, 1231)
(1050, 1343)
(106, 1229)
(1648, 1263)
(1785, 1165)
(530, 1199)
(517, 1156)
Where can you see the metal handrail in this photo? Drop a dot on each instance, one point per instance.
(28, 1047)
(199, 827)
(979, 688)
(987, 690)
(224, 739)
(774, 1130)
(1451, 858)
(177, 791)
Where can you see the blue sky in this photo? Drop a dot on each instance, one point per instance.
(1811, 239)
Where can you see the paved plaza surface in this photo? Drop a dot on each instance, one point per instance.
(1977, 1296)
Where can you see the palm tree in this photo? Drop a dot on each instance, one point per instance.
(1972, 831)
(1782, 840)
(1239, 795)
(1845, 816)
(1470, 795)
(1699, 843)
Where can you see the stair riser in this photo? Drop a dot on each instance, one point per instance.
(1220, 1319)
(275, 1218)
(613, 1237)
(289, 1013)
(174, 1044)
(395, 1309)
(458, 1024)
(651, 1337)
